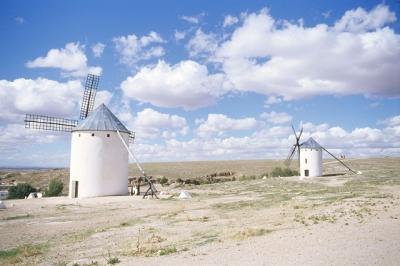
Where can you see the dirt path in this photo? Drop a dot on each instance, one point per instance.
(375, 242)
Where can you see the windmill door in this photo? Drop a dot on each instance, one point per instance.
(306, 173)
(75, 186)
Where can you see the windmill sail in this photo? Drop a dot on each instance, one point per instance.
(295, 147)
(290, 156)
(92, 82)
(49, 123)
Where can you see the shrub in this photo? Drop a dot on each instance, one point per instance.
(55, 188)
(278, 171)
(163, 180)
(179, 180)
(20, 191)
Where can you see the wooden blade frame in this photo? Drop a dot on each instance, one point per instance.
(44, 122)
(89, 95)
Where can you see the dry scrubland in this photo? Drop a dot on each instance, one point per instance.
(347, 219)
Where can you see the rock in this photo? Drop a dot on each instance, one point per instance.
(185, 195)
(2, 205)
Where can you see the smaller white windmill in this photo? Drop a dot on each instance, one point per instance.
(309, 157)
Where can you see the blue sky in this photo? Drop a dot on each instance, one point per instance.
(204, 80)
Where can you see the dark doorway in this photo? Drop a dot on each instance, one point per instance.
(75, 185)
(306, 173)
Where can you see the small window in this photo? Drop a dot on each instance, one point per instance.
(306, 160)
(108, 135)
(92, 134)
(79, 134)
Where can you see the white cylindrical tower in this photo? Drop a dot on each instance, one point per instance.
(310, 159)
(99, 160)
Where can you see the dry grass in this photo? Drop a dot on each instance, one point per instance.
(223, 212)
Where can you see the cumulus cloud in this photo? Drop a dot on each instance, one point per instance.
(132, 49)
(359, 20)
(220, 123)
(19, 146)
(391, 121)
(193, 19)
(276, 118)
(186, 84)
(275, 142)
(98, 49)
(272, 100)
(179, 35)
(150, 124)
(290, 60)
(230, 20)
(202, 44)
(71, 60)
(42, 96)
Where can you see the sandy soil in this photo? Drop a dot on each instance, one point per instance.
(339, 220)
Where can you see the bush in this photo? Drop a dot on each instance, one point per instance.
(20, 191)
(55, 188)
(278, 171)
(163, 180)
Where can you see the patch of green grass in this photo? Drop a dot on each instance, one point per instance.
(18, 254)
(113, 260)
(167, 250)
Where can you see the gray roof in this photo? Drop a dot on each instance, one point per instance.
(310, 144)
(101, 119)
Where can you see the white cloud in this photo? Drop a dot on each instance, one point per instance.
(359, 20)
(193, 19)
(102, 97)
(202, 44)
(277, 118)
(230, 20)
(391, 121)
(150, 124)
(275, 142)
(293, 61)
(71, 59)
(42, 96)
(187, 84)
(272, 100)
(220, 123)
(179, 35)
(19, 146)
(98, 49)
(327, 14)
(132, 49)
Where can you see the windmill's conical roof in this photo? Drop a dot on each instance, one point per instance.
(101, 119)
(310, 144)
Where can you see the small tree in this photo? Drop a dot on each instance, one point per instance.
(20, 191)
(163, 180)
(55, 188)
(278, 171)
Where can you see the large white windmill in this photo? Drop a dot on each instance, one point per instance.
(309, 155)
(99, 146)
